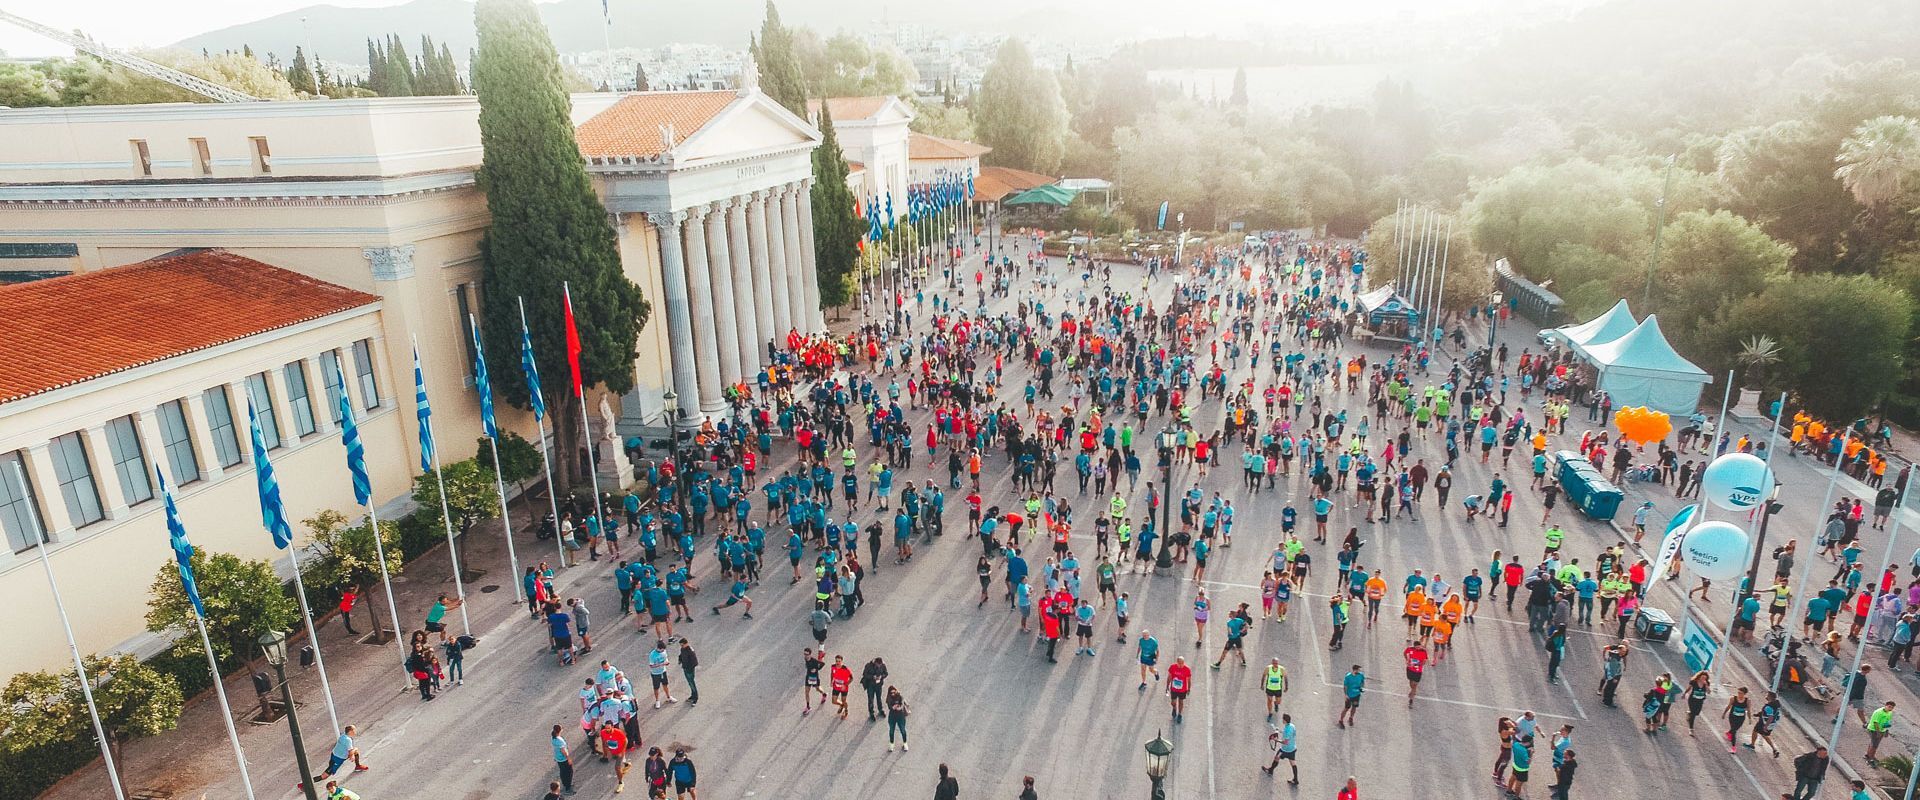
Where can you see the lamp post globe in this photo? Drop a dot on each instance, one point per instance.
(1159, 760)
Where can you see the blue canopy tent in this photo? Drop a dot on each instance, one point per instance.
(1617, 322)
(1389, 315)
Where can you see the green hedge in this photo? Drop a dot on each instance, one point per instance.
(24, 775)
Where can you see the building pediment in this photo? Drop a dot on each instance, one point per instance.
(752, 126)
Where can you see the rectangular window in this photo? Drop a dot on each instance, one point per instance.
(363, 370)
(226, 439)
(142, 158)
(261, 396)
(19, 512)
(463, 302)
(175, 438)
(75, 474)
(129, 461)
(330, 376)
(262, 155)
(202, 158)
(298, 398)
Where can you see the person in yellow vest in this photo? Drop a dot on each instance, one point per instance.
(1275, 684)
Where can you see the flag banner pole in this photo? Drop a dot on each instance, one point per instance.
(226, 711)
(431, 455)
(273, 517)
(539, 404)
(183, 558)
(1820, 524)
(363, 491)
(1440, 295)
(386, 580)
(73, 646)
(485, 389)
(586, 427)
(1773, 439)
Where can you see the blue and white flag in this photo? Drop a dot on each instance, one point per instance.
(356, 453)
(423, 412)
(533, 374)
(1162, 224)
(273, 515)
(182, 550)
(480, 382)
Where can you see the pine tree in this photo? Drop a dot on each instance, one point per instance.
(547, 225)
(1238, 98)
(780, 75)
(246, 50)
(836, 234)
(399, 68)
(300, 73)
(376, 68)
(450, 72)
(640, 78)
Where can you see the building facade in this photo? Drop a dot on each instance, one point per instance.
(377, 198)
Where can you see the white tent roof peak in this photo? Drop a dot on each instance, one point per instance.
(1645, 351)
(1617, 322)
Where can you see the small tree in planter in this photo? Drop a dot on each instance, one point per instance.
(348, 558)
(134, 700)
(1757, 354)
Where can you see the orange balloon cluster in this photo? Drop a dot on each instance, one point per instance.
(1642, 425)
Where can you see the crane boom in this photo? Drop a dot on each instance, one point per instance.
(191, 83)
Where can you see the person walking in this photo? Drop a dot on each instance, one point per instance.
(343, 751)
(1809, 771)
(685, 777)
(1354, 684)
(948, 787)
(897, 711)
(1285, 741)
(873, 678)
(563, 760)
(690, 661)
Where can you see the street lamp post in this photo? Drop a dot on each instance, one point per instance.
(1159, 759)
(274, 645)
(671, 402)
(1163, 563)
(1493, 327)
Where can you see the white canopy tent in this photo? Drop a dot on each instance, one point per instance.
(1617, 322)
(1642, 369)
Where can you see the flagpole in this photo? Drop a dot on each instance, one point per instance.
(1441, 293)
(1773, 438)
(73, 646)
(177, 533)
(586, 431)
(546, 464)
(499, 483)
(262, 469)
(373, 518)
(1820, 524)
(300, 590)
(446, 514)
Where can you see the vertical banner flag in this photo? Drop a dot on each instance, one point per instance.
(532, 372)
(480, 382)
(273, 515)
(573, 343)
(182, 551)
(889, 208)
(423, 412)
(1162, 224)
(356, 453)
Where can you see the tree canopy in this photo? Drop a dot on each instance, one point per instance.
(1020, 113)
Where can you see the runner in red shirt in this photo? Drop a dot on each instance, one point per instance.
(1416, 668)
(1179, 683)
(842, 679)
(1351, 791)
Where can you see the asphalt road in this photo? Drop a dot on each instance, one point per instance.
(986, 702)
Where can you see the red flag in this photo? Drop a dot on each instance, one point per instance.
(573, 344)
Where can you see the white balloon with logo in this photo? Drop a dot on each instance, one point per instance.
(1716, 550)
(1737, 482)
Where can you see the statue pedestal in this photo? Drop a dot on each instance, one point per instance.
(612, 466)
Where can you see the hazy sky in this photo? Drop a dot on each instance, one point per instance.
(146, 23)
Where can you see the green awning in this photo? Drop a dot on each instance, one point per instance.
(1042, 195)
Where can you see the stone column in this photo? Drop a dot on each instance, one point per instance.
(810, 269)
(777, 256)
(796, 275)
(706, 351)
(762, 273)
(750, 345)
(673, 280)
(719, 251)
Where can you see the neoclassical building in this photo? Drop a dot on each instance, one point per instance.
(367, 212)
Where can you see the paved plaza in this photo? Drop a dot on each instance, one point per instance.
(986, 701)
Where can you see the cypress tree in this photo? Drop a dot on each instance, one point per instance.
(547, 225)
(836, 234)
(450, 72)
(376, 68)
(300, 73)
(640, 77)
(399, 68)
(780, 75)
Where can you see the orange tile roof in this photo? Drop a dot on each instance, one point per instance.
(995, 183)
(630, 128)
(855, 167)
(920, 145)
(62, 331)
(851, 107)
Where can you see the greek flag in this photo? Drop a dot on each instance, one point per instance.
(182, 551)
(480, 383)
(423, 412)
(533, 374)
(356, 453)
(273, 514)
